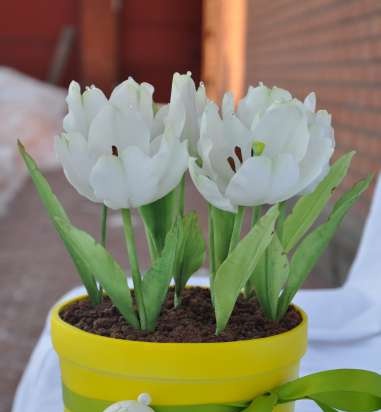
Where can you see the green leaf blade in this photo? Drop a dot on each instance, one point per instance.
(235, 271)
(270, 276)
(223, 224)
(308, 208)
(157, 279)
(263, 403)
(313, 245)
(344, 389)
(192, 254)
(158, 218)
(55, 210)
(105, 269)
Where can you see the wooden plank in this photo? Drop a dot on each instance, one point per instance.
(224, 46)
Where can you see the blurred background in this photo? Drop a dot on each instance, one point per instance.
(330, 46)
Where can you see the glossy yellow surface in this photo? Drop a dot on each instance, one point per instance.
(176, 374)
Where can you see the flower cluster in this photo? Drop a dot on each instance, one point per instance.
(119, 152)
(269, 150)
(128, 152)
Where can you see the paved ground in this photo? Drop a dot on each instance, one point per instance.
(35, 270)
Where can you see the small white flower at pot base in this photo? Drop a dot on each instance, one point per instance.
(273, 148)
(141, 405)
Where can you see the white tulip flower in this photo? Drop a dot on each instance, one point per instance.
(273, 148)
(116, 151)
(188, 104)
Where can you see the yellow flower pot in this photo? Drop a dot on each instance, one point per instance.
(98, 371)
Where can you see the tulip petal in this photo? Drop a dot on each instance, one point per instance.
(142, 175)
(82, 108)
(108, 179)
(158, 122)
(235, 143)
(284, 178)
(280, 95)
(315, 163)
(131, 94)
(201, 99)
(257, 100)
(208, 189)
(283, 129)
(77, 162)
(310, 102)
(227, 104)
(175, 120)
(183, 94)
(254, 102)
(174, 157)
(250, 185)
(113, 127)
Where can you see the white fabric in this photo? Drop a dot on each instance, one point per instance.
(344, 330)
(32, 111)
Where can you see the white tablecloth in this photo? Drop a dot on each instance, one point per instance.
(32, 111)
(344, 330)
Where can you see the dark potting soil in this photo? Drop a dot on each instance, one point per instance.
(193, 321)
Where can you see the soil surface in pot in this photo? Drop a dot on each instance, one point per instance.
(193, 321)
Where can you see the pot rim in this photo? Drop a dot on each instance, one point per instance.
(58, 321)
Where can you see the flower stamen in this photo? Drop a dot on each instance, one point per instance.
(115, 151)
(231, 163)
(238, 153)
(257, 148)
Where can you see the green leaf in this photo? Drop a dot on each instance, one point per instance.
(270, 276)
(344, 389)
(237, 228)
(158, 218)
(235, 271)
(55, 210)
(263, 403)
(223, 224)
(325, 408)
(192, 254)
(308, 208)
(311, 248)
(349, 401)
(104, 267)
(156, 280)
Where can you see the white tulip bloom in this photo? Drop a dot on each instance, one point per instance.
(273, 148)
(187, 103)
(116, 151)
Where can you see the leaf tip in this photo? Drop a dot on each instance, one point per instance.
(21, 147)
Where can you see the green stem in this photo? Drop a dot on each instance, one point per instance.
(212, 257)
(281, 219)
(104, 225)
(212, 254)
(103, 237)
(236, 234)
(134, 265)
(256, 214)
(182, 196)
(249, 287)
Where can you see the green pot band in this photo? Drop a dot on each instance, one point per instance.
(78, 403)
(352, 390)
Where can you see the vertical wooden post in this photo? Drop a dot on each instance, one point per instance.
(99, 45)
(224, 46)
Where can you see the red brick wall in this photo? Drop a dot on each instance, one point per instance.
(159, 38)
(29, 32)
(332, 47)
